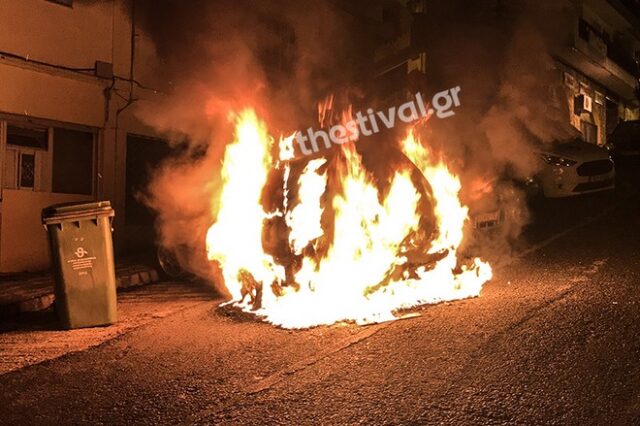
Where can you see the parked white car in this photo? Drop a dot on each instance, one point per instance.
(575, 167)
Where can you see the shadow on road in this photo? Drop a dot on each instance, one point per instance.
(32, 321)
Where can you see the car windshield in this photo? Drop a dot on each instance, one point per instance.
(571, 144)
(565, 142)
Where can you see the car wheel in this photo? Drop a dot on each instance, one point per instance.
(169, 263)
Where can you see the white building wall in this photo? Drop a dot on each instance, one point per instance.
(72, 37)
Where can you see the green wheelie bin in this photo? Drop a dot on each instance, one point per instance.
(82, 258)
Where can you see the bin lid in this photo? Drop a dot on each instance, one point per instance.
(70, 211)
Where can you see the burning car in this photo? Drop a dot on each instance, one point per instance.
(340, 238)
(573, 167)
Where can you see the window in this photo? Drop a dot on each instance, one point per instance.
(27, 137)
(589, 132)
(73, 158)
(49, 159)
(24, 156)
(27, 171)
(583, 29)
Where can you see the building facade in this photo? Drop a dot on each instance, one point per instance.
(596, 51)
(70, 76)
(598, 65)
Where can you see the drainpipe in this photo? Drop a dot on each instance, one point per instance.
(131, 99)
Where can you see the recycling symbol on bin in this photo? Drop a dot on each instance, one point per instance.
(81, 252)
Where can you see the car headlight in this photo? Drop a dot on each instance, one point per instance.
(558, 161)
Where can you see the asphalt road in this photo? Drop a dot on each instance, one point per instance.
(553, 339)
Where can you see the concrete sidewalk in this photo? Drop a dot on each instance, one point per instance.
(34, 338)
(22, 293)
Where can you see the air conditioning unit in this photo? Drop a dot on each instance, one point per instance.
(582, 103)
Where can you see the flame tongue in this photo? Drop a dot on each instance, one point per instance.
(304, 219)
(364, 273)
(235, 240)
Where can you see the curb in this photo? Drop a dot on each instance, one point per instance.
(137, 278)
(129, 277)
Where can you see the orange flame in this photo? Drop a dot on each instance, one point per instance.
(235, 240)
(364, 275)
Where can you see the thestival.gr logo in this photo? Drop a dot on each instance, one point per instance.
(371, 122)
